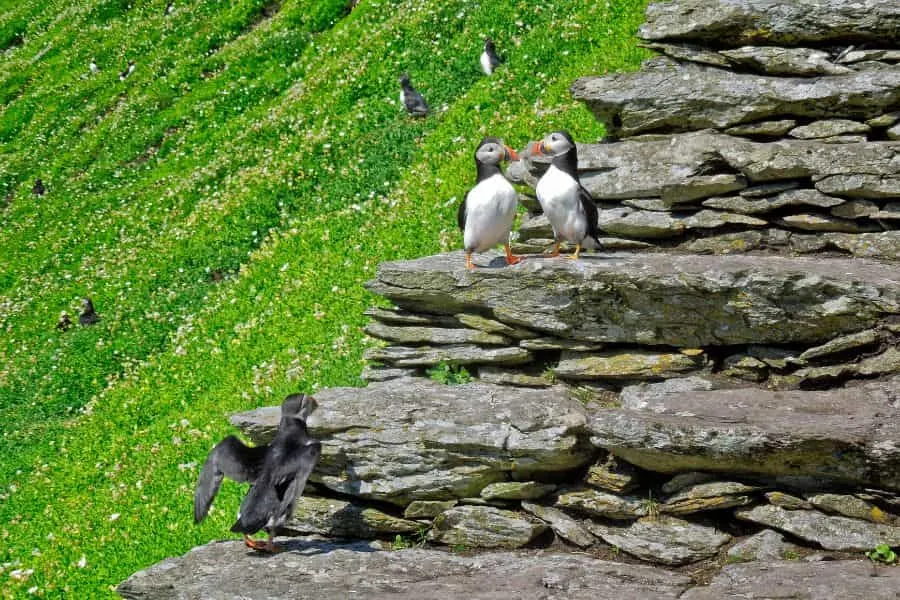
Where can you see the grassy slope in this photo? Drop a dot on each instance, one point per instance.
(264, 144)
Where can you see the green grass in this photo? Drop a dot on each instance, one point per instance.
(223, 207)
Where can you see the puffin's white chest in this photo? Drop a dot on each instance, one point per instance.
(486, 65)
(490, 211)
(558, 194)
(402, 98)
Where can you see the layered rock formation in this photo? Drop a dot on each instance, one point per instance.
(658, 398)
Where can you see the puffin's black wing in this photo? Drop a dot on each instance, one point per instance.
(415, 102)
(281, 481)
(591, 212)
(231, 458)
(461, 214)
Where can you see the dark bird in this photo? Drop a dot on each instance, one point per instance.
(277, 473)
(64, 323)
(568, 206)
(88, 315)
(487, 212)
(128, 71)
(38, 188)
(93, 67)
(170, 5)
(411, 99)
(489, 59)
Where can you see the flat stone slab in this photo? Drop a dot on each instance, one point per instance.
(626, 365)
(765, 545)
(664, 540)
(320, 570)
(339, 518)
(660, 299)
(603, 504)
(826, 580)
(415, 439)
(484, 527)
(849, 435)
(457, 354)
(562, 524)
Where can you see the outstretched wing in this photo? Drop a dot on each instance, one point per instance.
(591, 212)
(461, 214)
(230, 458)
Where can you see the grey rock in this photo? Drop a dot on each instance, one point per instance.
(689, 96)
(830, 532)
(494, 326)
(427, 509)
(828, 128)
(772, 22)
(552, 343)
(774, 128)
(683, 481)
(844, 139)
(371, 373)
(768, 189)
(665, 540)
(339, 518)
(813, 222)
(654, 204)
(639, 223)
(861, 185)
(690, 52)
(855, 209)
(636, 396)
(512, 377)
(742, 366)
(702, 186)
(401, 317)
(867, 55)
(414, 439)
(885, 120)
(537, 228)
(765, 545)
(777, 358)
(562, 524)
(458, 354)
(727, 243)
(753, 206)
(891, 211)
(787, 501)
(893, 132)
(846, 435)
(626, 365)
(884, 244)
(824, 580)
(851, 506)
(842, 344)
(713, 495)
(484, 527)
(517, 490)
(603, 504)
(320, 570)
(613, 475)
(414, 334)
(776, 60)
(710, 219)
(888, 362)
(805, 244)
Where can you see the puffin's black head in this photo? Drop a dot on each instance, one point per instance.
(404, 79)
(299, 406)
(492, 150)
(489, 45)
(87, 305)
(555, 143)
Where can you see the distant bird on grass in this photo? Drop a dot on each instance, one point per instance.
(411, 99)
(277, 473)
(38, 188)
(128, 71)
(64, 323)
(88, 315)
(169, 7)
(569, 207)
(489, 59)
(93, 67)
(487, 212)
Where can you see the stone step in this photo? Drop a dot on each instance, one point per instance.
(324, 570)
(848, 435)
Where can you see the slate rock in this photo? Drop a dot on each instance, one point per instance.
(654, 204)
(886, 363)
(690, 52)
(742, 366)
(613, 475)
(768, 189)
(842, 344)
(702, 186)
(884, 244)
(774, 128)
(684, 481)
(602, 504)
(456, 354)
(427, 509)
(516, 490)
(339, 518)
(830, 532)
(813, 222)
(372, 373)
(625, 365)
(710, 219)
(765, 545)
(753, 206)
(639, 223)
(552, 343)
(484, 527)
(851, 506)
(396, 316)
(855, 209)
(415, 439)
(713, 495)
(562, 524)
(514, 377)
(776, 60)
(787, 501)
(893, 132)
(494, 326)
(413, 334)
(828, 128)
(726, 243)
(885, 120)
(664, 540)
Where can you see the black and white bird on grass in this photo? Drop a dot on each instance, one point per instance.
(487, 212)
(489, 59)
(88, 315)
(93, 67)
(411, 99)
(277, 473)
(568, 206)
(38, 188)
(128, 71)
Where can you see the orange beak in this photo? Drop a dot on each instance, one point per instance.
(511, 154)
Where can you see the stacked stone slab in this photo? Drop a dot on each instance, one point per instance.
(764, 125)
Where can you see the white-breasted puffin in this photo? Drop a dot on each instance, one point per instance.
(568, 206)
(88, 315)
(487, 212)
(93, 67)
(277, 473)
(489, 59)
(411, 99)
(128, 71)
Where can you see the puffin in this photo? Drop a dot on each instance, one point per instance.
(411, 99)
(277, 473)
(568, 206)
(64, 323)
(489, 59)
(486, 213)
(93, 67)
(128, 71)
(38, 188)
(88, 315)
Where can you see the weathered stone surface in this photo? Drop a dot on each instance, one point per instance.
(728, 243)
(691, 53)
(677, 300)
(775, 128)
(513, 377)
(813, 222)
(851, 506)
(320, 570)
(742, 366)
(825, 580)
(712, 495)
(655, 204)
(893, 132)
(755, 206)
(865, 55)
(776, 60)
(401, 317)
(683, 481)
(787, 501)
(891, 211)
(415, 439)
(665, 540)
(427, 509)
(828, 128)
(613, 475)
(484, 527)
(768, 189)
(338, 518)
(516, 490)
(765, 545)
(562, 524)
(855, 209)
(830, 532)
(847, 435)
(688, 96)
(370, 373)
(552, 343)
(842, 344)
(413, 334)
(640, 223)
(702, 186)
(626, 365)
(710, 219)
(885, 120)
(862, 185)
(603, 504)
(772, 22)
(458, 354)
(494, 326)
(887, 362)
